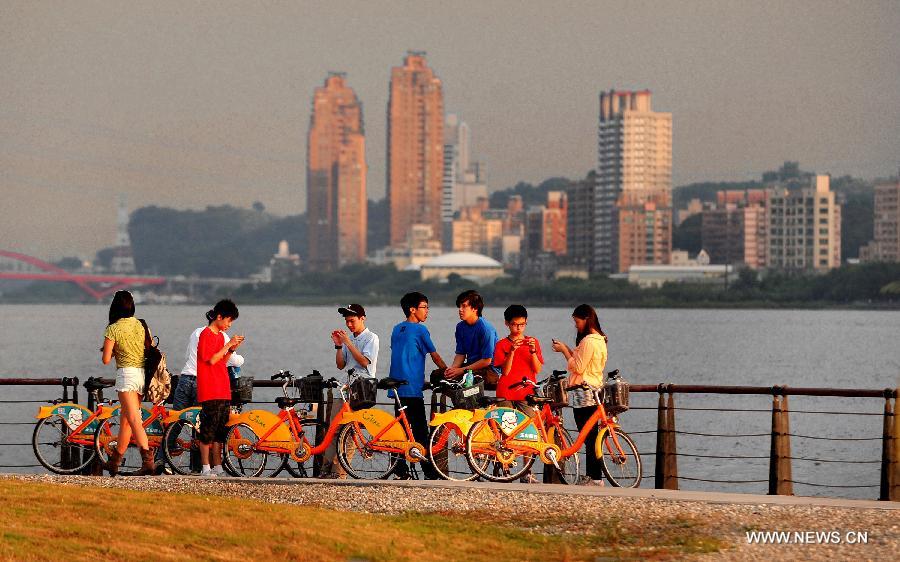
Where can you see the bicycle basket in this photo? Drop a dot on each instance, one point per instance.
(557, 391)
(467, 398)
(363, 393)
(615, 395)
(309, 388)
(242, 390)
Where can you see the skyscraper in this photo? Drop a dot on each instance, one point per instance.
(415, 156)
(336, 206)
(633, 207)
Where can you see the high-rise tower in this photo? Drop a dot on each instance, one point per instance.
(633, 203)
(415, 156)
(336, 206)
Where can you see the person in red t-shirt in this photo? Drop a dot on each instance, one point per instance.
(517, 356)
(213, 385)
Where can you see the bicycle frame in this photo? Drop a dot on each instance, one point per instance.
(522, 439)
(391, 434)
(83, 433)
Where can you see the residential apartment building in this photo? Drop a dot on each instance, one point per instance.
(734, 232)
(473, 232)
(804, 227)
(580, 222)
(886, 229)
(336, 200)
(415, 156)
(633, 208)
(545, 226)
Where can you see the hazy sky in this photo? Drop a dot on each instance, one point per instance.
(187, 104)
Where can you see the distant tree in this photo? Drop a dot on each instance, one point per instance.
(258, 207)
(104, 257)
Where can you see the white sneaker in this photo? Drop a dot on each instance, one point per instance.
(208, 474)
(218, 470)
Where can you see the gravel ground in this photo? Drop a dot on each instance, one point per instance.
(563, 513)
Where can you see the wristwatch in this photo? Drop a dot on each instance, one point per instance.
(338, 347)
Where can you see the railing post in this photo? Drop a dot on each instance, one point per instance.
(780, 449)
(888, 451)
(324, 415)
(786, 477)
(661, 429)
(895, 480)
(66, 455)
(671, 450)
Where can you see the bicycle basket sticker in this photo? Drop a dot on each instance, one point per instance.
(509, 419)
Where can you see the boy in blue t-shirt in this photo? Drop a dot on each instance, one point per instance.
(475, 341)
(410, 343)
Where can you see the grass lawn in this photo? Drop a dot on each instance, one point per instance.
(54, 522)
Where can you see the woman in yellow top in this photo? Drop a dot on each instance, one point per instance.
(585, 364)
(125, 339)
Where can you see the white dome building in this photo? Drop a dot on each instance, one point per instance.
(475, 267)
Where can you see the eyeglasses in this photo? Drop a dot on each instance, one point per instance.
(425, 306)
(518, 324)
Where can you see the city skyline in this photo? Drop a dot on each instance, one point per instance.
(186, 107)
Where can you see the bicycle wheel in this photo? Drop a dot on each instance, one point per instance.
(240, 455)
(311, 428)
(107, 439)
(359, 459)
(490, 457)
(180, 447)
(569, 466)
(447, 452)
(622, 466)
(54, 452)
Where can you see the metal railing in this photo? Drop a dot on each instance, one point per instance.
(666, 475)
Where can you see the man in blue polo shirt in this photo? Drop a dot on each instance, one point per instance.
(475, 341)
(410, 343)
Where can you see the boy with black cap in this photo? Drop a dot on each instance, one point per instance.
(359, 349)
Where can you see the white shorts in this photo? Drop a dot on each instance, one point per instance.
(130, 379)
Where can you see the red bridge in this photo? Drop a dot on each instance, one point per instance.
(19, 266)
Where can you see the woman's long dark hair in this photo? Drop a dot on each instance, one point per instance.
(587, 312)
(122, 306)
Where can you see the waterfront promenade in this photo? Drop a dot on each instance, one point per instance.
(627, 519)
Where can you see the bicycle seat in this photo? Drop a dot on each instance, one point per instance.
(283, 402)
(93, 384)
(389, 383)
(535, 400)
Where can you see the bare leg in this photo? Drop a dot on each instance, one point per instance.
(204, 453)
(216, 454)
(131, 422)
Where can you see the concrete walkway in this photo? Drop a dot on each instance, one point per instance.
(598, 491)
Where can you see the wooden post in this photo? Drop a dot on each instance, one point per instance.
(773, 447)
(661, 429)
(785, 479)
(888, 452)
(671, 457)
(780, 450)
(895, 480)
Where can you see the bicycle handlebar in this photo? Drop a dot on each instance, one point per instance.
(281, 375)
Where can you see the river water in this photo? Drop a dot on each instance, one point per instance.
(838, 349)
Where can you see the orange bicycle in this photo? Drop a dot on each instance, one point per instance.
(514, 440)
(63, 438)
(372, 442)
(255, 435)
(106, 436)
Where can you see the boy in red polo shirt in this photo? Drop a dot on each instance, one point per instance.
(517, 356)
(213, 385)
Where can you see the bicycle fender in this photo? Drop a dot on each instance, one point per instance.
(375, 421)
(598, 443)
(261, 421)
(73, 414)
(189, 415)
(460, 418)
